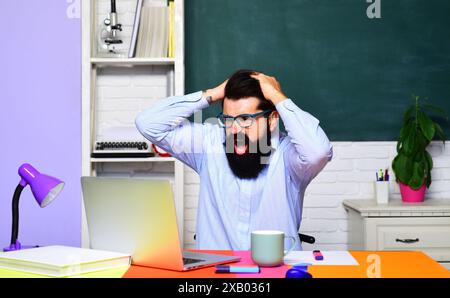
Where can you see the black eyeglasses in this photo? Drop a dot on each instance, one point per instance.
(244, 120)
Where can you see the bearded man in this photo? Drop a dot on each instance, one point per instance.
(252, 177)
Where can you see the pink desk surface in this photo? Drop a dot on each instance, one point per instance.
(209, 272)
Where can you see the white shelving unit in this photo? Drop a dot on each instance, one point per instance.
(93, 67)
(132, 61)
(149, 159)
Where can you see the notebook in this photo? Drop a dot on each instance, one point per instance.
(329, 258)
(62, 261)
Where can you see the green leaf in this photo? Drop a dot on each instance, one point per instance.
(399, 146)
(436, 110)
(409, 142)
(418, 176)
(426, 125)
(428, 166)
(403, 167)
(408, 114)
(406, 129)
(405, 132)
(429, 160)
(440, 132)
(428, 180)
(420, 145)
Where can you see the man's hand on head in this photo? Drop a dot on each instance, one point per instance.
(270, 87)
(216, 93)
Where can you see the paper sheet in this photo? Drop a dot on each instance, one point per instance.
(119, 133)
(329, 258)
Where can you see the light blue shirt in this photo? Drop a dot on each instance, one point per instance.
(230, 208)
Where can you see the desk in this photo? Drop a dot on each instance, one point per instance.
(405, 264)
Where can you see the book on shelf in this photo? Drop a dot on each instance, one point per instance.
(134, 34)
(142, 23)
(171, 53)
(154, 31)
(62, 261)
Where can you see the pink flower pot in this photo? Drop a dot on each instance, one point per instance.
(410, 195)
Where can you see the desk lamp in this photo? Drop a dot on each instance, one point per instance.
(44, 188)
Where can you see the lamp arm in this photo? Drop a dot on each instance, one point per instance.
(15, 213)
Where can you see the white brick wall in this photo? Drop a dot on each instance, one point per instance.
(122, 92)
(349, 175)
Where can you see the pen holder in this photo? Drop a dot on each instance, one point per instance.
(382, 192)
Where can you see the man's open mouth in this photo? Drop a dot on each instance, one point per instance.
(240, 150)
(240, 146)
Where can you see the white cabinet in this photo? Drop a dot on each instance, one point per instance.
(115, 89)
(400, 226)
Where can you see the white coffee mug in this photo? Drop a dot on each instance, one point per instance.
(268, 247)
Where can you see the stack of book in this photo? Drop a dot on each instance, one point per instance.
(153, 31)
(62, 261)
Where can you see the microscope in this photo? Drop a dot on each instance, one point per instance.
(108, 35)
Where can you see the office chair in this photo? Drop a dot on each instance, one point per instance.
(303, 238)
(306, 238)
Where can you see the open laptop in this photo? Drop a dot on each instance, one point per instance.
(137, 216)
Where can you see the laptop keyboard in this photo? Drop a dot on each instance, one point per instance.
(187, 261)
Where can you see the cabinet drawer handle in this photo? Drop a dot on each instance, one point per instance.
(407, 240)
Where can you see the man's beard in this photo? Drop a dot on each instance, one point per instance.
(250, 164)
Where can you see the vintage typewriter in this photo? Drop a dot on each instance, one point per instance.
(122, 143)
(122, 149)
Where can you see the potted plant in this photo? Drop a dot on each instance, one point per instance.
(412, 165)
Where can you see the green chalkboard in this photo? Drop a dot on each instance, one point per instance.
(355, 74)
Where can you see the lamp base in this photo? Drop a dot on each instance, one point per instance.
(18, 246)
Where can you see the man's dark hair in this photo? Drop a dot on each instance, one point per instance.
(242, 85)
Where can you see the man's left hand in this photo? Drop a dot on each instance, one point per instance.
(270, 87)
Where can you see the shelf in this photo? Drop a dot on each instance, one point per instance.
(148, 159)
(132, 61)
(166, 74)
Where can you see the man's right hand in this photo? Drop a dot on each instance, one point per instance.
(217, 93)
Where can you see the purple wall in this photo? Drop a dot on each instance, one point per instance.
(40, 116)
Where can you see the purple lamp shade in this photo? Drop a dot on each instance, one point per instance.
(44, 188)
